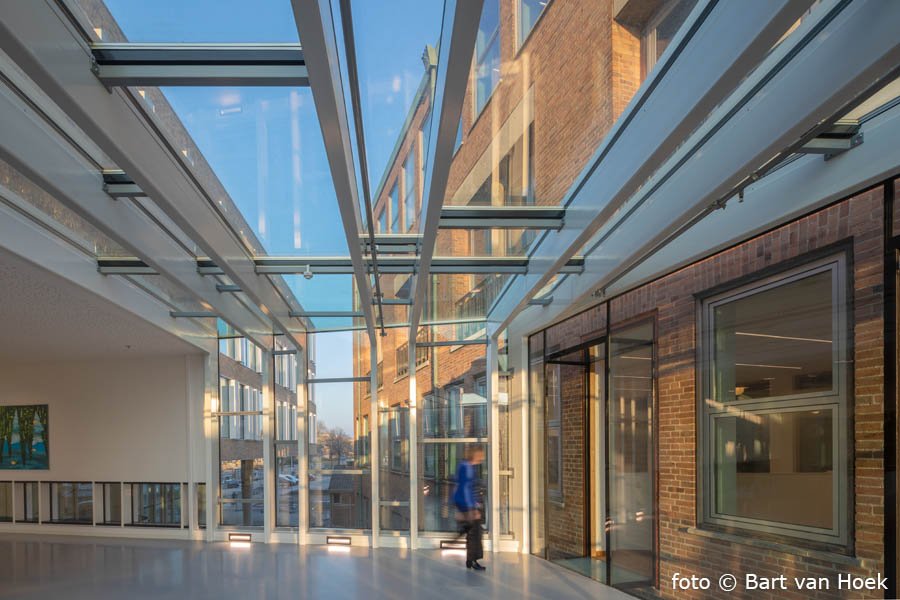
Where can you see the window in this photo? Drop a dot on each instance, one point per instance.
(402, 357)
(661, 29)
(422, 352)
(112, 504)
(381, 226)
(27, 500)
(6, 502)
(409, 190)
(774, 417)
(201, 505)
(156, 504)
(487, 54)
(72, 503)
(529, 12)
(395, 210)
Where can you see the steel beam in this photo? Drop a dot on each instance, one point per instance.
(131, 64)
(326, 314)
(52, 51)
(458, 33)
(502, 217)
(34, 148)
(316, 28)
(718, 46)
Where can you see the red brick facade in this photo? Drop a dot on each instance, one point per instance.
(685, 545)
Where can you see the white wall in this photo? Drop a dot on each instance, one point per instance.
(110, 419)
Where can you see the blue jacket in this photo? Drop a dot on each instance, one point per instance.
(464, 496)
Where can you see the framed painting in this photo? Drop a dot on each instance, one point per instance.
(25, 437)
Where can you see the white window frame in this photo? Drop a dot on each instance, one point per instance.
(836, 399)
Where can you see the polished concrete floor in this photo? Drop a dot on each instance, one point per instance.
(72, 568)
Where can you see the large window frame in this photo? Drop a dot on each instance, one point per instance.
(835, 400)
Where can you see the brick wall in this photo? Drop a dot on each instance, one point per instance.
(681, 549)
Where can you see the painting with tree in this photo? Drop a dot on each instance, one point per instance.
(24, 437)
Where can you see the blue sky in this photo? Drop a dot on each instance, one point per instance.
(265, 144)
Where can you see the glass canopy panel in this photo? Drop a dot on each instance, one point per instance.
(264, 145)
(485, 242)
(195, 21)
(461, 297)
(326, 294)
(396, 59)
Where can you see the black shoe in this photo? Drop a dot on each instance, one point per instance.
(468, 564)
(478, 567)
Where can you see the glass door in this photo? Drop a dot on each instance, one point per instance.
(630, 459)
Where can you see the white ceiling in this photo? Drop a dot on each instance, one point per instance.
(45, 317)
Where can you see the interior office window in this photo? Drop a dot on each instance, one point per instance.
(395, 210)
(201, 505)
(661, 29)
(529, 12)
(6, 502)
(112, 503)
(156, 504)
(487, 54)
(409, 191)
(72, 503)
(28, 508)
(775, 415)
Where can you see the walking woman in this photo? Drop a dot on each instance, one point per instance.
(469, 515)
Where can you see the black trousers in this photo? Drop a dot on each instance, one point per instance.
(472, 531)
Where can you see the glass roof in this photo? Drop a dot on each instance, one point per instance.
(260, 155)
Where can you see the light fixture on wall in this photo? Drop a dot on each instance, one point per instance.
(240, 540)
(338, 540)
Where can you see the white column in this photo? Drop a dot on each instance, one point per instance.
(301, 384)
(374, 434)
(211, 404)
(413, 448)
(493, 416)
(268, 418)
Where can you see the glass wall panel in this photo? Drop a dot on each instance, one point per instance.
(156, 504)
(537, 431)
(630, 457)
(287, 482)
(112, 503)
(339, 476)
(529, 11)
(240, 420)
(6, 501)
(452, 424)
(393, 428)
(72, 503)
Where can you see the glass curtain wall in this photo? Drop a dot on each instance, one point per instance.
(593, 448)
(453, 422)
(287, 482)
(392, 382)
(240, 423)
(631, 456)
(338, 440)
